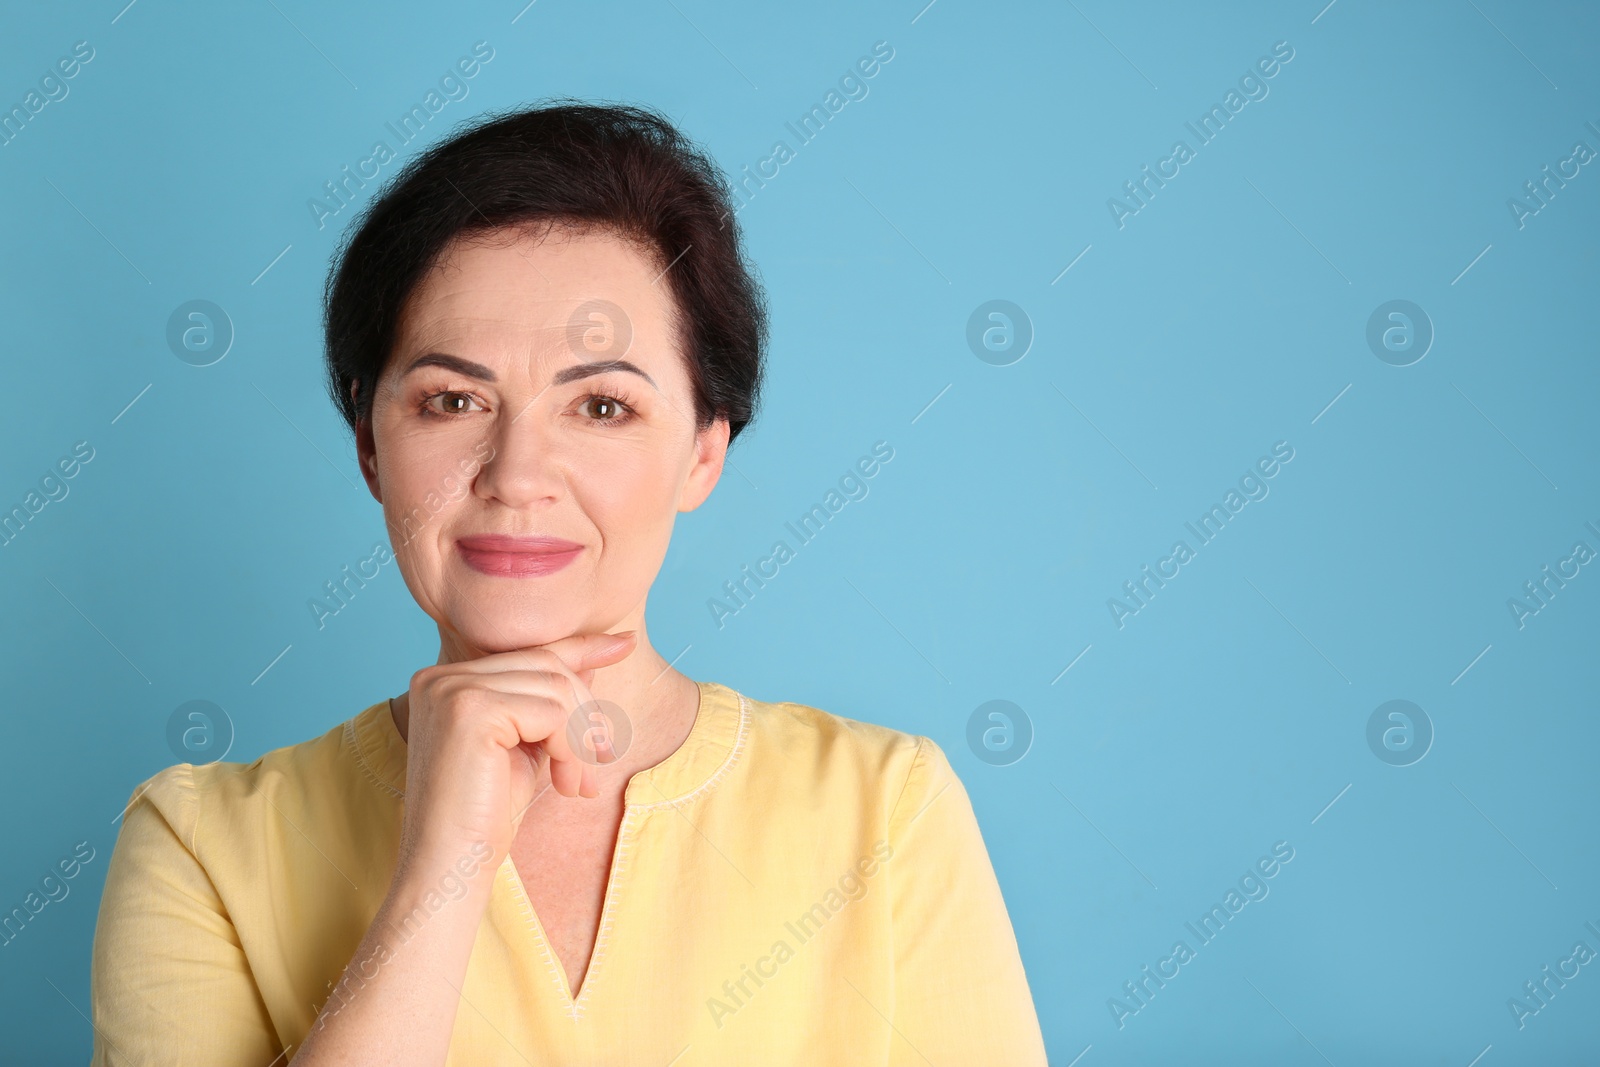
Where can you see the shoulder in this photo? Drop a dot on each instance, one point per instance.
(813, 749)
(211, 800)
(810, 733)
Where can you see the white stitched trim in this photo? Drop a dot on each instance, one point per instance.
(361, 760)
(538, 931)
(721, 772)
(608, 911)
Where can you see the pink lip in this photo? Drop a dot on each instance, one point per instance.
(516, 557)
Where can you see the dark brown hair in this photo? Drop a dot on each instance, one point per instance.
(622, 168)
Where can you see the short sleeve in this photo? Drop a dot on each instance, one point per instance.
(961, 995)
(169, 982)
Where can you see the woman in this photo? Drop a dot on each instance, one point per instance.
(554, 848)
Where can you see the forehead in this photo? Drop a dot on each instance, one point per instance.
(513, 294)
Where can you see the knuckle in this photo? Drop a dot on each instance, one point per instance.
(464, 701)
(430, 676)
(550, 713)
(553, 678)
(545, 660)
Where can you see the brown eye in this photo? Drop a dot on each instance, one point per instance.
(605, 409)
(452, 403)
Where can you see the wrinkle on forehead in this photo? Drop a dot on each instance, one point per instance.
(522, 320)
(553, 298)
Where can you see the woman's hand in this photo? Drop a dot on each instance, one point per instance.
(480, 732)
(478, 736)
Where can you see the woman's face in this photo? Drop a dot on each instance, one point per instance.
(537, 388)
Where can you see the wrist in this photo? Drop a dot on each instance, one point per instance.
(432, 877)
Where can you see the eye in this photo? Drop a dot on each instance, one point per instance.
(606, 410)
(455, 403)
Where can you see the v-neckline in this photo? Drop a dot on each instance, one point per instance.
(712, 747)
(570, 1005)
(700, 730)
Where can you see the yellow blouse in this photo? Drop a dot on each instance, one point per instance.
(788, 887)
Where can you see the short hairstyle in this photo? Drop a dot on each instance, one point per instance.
(618, 168)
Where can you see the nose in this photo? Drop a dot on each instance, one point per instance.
(526, 467)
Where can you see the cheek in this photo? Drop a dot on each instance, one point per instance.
(631, 497)
(421, 491)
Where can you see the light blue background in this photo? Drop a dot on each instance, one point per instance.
(1224, 317)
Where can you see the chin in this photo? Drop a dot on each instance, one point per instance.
(492, 627)
(498, 635)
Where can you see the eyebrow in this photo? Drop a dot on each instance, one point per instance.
(566, 374)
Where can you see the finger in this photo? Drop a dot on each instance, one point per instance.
(600, 741)
(585, 652)
(532, 669)
(536, 755)
(537, 719)
(566, 776)
(550, 677)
